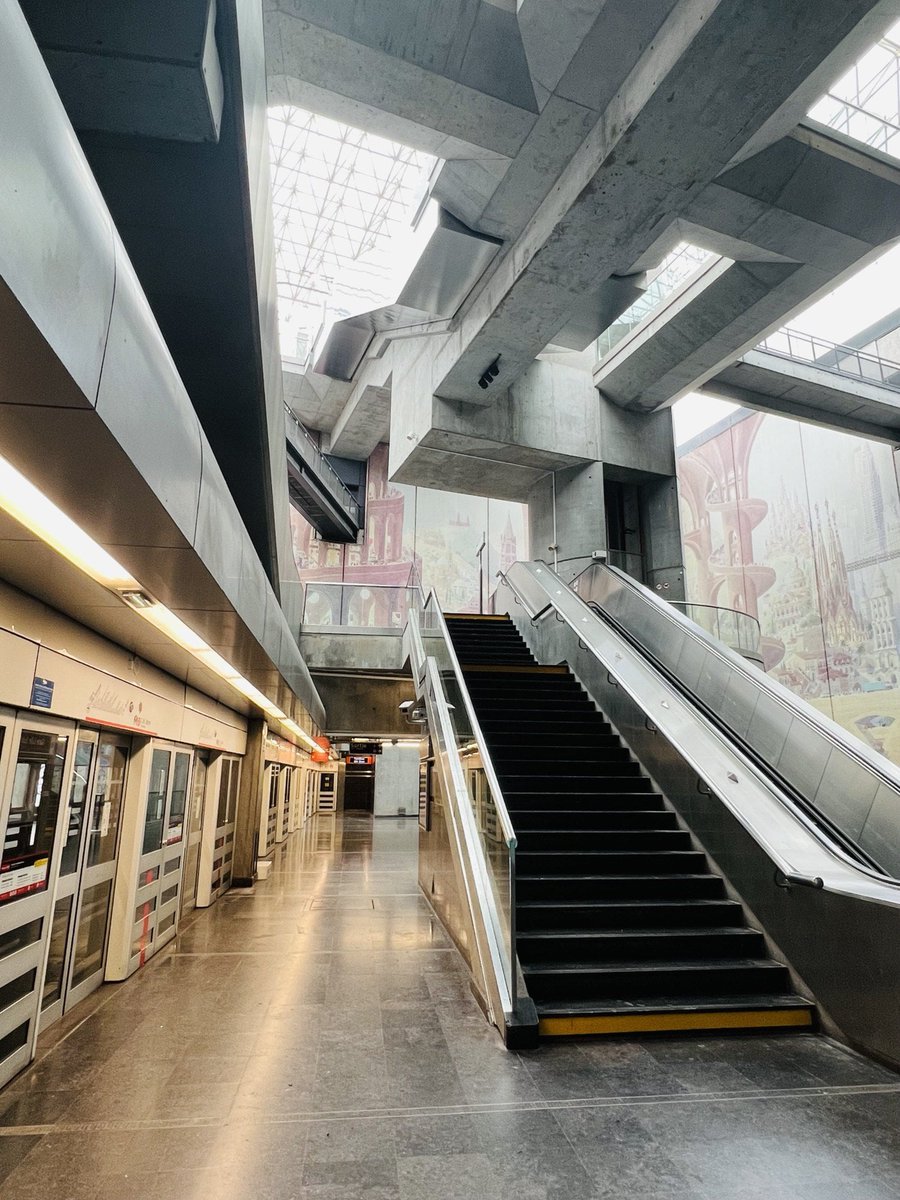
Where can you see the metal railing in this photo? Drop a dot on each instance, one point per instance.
(323, 467)
(736, 629)
(485, 832)
(358, 605)
(865, 103)
(832, 356)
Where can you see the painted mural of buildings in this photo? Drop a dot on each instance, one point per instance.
(410, 534)
(801, 528)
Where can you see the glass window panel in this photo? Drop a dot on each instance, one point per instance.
(233, 789)
(178, 803)
(59, 939)
(31, 826)
(167, 922)
(90, 942)
(172, 864)
(156, 800)
(17, 988)
(21, 937)
(14, 1040)
(145, 909)
(109, 792)
(78, 794)
(224, 778)
(169, 894)
(198, 790)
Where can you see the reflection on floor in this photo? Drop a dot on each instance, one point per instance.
(317, 1039)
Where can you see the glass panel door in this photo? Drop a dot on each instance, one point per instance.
(223, 843)
(69, 874)
(88, 953)
(87, 866)
(159, 875)
(33, 782)
(195, 832)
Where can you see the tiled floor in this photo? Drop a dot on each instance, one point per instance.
(317, 1040)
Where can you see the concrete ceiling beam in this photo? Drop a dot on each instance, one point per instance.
(713, 76)
(327, 58)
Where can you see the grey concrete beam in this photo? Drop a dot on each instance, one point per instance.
(811, 194)
(121, 69)
(713, 76)
(364, 422)
(805, 392)
(316, 399)
(334, 60)
(548, 420)
(664, 356)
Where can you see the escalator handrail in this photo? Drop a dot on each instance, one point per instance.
(786, 868)
(814, 816)
(509, 833)
(429, 677)
(882, 768)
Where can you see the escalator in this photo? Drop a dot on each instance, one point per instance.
(622, 924)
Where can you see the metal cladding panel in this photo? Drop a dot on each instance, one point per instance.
(451, 264)
(220, 549)
(846, 793)
(57, 251)
(879, 835)
(143, 403)
(804, 756)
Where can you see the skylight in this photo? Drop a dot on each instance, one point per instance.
(343, 202)
(865, 103)
(679, 267)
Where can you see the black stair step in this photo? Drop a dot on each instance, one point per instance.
(563, 784)
(750, 1001)
(619, 981)
(555, 785)
(587, 802)
(600, 748)
(534, 820)
(628, 914)
(590, 765)
(568, 739)
(619, 862)
(585, 887)
(513, 721)
(606, 841)
(548, 946)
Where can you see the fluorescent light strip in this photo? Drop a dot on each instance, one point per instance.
(32, 509)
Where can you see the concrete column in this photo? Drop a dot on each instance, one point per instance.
(661, 528)
(250, 798)
(566, 518)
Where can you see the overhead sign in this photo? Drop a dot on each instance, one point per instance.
(360, 760)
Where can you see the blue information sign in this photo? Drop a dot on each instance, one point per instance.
(42, 693)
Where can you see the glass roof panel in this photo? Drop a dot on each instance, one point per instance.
(865, 103)
(343, 201)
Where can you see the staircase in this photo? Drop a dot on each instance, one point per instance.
(622, 926)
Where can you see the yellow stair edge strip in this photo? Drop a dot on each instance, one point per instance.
(476, 616)
(673, 1021)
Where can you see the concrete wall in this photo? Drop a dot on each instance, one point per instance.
(397, 780)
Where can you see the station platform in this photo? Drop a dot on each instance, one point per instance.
(316, 1038)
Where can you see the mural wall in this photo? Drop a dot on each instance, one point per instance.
(410, 533)
(800, 527)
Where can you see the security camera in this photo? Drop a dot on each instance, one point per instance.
(406, 705)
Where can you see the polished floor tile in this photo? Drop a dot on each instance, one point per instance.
(317, 1039)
